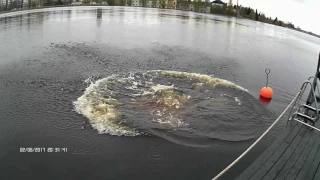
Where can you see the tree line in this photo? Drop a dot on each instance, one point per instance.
(249, 13)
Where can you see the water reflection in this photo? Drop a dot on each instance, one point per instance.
(193, 29)
(69, 14)
(28, 21)
(264, 101)
(229, 35)
(99, 17)
(20, 20)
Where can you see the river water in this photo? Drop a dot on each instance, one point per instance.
(140, 93)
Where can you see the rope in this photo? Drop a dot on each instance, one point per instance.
(245, 152)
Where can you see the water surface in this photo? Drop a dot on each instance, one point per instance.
(49, 58)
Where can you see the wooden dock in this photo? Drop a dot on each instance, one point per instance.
(295, 155)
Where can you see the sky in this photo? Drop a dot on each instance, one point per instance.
(302, 13)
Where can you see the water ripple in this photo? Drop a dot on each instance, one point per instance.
(157, 153)
(81, 145)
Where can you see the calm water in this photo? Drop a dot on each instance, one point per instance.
(49, 57)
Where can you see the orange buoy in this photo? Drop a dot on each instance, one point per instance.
(266, 92)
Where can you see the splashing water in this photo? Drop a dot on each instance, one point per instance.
(178, 103)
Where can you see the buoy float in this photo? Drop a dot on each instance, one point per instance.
(266, 92)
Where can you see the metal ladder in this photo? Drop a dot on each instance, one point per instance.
(306, 112)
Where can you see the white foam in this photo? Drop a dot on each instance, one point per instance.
(237, 100)
(103, 123)
(202, 77)
(160, 87)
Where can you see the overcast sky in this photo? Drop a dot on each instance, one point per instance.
(302, 13)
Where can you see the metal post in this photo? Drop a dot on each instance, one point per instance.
(267, 72)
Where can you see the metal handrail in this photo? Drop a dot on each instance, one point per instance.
(303, 88)
(295, 102)
(314, 79)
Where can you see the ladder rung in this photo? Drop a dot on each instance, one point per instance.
(305, 116)
(309, 107)
(307, 124)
